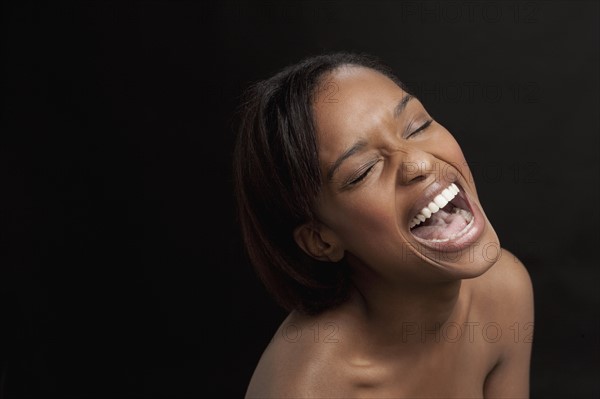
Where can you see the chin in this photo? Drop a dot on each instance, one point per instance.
(474, 260)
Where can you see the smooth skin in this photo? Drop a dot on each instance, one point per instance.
(419, 322)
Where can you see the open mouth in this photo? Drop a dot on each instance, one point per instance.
(446, 217)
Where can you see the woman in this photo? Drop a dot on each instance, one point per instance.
(359, 212)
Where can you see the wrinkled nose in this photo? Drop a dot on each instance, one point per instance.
(415, 166)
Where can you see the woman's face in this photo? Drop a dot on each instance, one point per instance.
(383, 160)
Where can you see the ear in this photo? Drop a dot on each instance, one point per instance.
(318, 242)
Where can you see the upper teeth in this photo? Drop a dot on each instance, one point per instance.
(440, 201)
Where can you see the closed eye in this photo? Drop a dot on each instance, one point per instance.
(421, 128)
(361, 174)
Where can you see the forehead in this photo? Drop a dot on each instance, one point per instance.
(352, 102)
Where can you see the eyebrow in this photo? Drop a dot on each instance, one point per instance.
(402, 105)
(361, 143)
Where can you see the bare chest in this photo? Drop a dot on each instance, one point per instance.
(443, 369)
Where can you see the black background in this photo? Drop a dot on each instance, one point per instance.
(122, 272)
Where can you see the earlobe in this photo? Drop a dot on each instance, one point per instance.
(318, 243)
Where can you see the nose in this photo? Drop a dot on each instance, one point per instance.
(416, 165)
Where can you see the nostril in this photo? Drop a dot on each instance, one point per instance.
(417, 179)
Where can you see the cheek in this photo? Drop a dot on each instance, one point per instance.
(364, 219)
(370, 211)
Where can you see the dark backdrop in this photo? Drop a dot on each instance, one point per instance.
(122, 272)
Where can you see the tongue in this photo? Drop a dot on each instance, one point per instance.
(442, 225)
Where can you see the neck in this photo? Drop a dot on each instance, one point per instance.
(403, 313)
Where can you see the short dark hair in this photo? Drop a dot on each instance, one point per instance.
(277, 177)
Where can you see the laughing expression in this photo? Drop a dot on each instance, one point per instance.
(397, 193)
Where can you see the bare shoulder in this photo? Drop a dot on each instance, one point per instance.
(303, 358)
